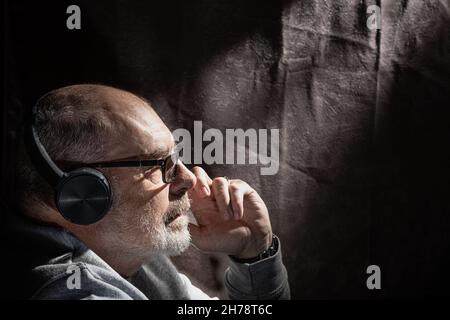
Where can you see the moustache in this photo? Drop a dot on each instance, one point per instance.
(177, 208)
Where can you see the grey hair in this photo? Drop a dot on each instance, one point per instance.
(70, 129)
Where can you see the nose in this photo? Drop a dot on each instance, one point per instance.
(184, 181)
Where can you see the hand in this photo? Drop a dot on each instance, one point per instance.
(232, 218)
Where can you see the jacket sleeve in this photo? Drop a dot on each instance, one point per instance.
(266, 279)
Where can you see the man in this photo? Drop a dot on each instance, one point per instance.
(124, 255)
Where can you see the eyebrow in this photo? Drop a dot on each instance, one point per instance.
(158, 153)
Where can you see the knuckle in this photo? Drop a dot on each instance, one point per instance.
(234, 188)
(197, 170)
(219, 181)
(241, 184)
(246, 185)
(200, 174)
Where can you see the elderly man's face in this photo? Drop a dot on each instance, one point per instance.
(147, 215)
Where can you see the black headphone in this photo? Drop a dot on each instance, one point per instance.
(82, 196)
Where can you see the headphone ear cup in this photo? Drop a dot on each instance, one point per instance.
(83, 196)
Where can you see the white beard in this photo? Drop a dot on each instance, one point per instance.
(172, 240)
(143, 236)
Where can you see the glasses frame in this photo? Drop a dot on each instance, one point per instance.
(162, 163)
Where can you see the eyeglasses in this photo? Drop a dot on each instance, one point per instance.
(168, 165)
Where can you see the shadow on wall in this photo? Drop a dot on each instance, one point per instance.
(410, 221)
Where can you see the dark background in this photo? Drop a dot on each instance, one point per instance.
(363, 116)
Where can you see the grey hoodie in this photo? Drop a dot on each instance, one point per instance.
(47, 262)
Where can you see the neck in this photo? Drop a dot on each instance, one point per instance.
(122, 260)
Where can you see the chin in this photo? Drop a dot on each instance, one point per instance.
(177, 237)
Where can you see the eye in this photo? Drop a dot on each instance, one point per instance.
(143, 172)
(153, 174)
(150, 170)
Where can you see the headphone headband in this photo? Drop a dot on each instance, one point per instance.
(38, 155)
(82, 196)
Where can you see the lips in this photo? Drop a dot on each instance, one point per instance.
(172, 218)
(177, 209)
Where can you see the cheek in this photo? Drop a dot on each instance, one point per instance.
(159, 204)
(139, 193)
(150, 196)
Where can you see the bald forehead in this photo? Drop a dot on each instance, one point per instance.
(144, 135)
(141, 130)
(136, 130)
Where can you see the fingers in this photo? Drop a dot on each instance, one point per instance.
(222, 196)
(203, 182)
(228, 195)
(238, 189)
